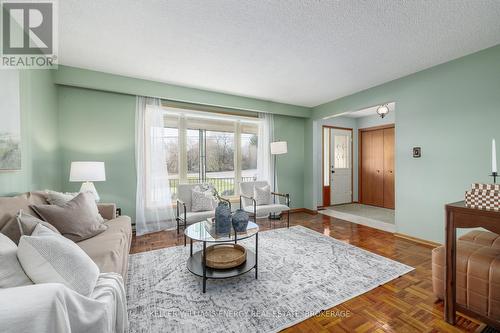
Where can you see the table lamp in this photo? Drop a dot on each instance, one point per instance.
(88, 172)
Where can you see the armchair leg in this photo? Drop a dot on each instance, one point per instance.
(177, 219)
(288, 220)
(185, 224)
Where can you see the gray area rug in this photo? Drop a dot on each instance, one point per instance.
(301, 272)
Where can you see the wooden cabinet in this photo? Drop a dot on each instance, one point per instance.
(389, 168)
(377, 167)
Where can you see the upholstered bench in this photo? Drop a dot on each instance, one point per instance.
(478, 272)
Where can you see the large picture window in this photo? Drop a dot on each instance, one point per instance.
(210, 147)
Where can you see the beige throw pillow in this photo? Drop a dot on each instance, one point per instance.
(60, 198)
(27, 224)
(77, 219)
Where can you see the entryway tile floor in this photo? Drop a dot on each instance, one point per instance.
(376, 217)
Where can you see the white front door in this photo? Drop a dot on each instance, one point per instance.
(341, 168)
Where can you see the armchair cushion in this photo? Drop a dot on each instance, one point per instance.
(193, 217)
(267, 209)
(247, 189)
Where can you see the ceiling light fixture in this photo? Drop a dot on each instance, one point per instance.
(383, 110)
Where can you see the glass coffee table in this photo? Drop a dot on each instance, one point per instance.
(196, 263)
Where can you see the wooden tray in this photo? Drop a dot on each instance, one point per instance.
(223, 256)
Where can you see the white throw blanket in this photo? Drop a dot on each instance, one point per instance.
(52, 307)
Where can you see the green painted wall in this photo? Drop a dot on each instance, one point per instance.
(99, 126)
(40, 158)
(290, 166)
(452, 111)
(83, 78)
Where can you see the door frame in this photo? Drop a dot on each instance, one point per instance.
(325, 189)
(360, 155)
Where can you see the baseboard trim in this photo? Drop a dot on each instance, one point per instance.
(418, 240)
(303, 210)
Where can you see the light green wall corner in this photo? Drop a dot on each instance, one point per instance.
(40, 150)
(99, 126)
(452, 111)
(290, 166)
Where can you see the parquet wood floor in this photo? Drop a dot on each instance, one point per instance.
(405, 304)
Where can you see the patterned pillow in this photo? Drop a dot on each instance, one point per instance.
(201, 201)
(47, 257)
(262, 195)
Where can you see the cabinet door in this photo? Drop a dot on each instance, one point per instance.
(389, 168)
(372, 167)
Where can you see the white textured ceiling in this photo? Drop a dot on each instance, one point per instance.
(303, 52)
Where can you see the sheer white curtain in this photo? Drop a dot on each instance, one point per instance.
(265, 162)
(154, 210)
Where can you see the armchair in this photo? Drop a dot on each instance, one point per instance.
(184, 213)
(248, 203)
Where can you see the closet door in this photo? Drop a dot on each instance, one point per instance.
(372, 167)
(389, 168)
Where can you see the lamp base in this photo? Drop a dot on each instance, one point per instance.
(89, 187)
(494, 175)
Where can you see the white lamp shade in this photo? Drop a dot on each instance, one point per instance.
(279, 147)
(87, 172)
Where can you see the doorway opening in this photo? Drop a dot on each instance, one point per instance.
(358, 167)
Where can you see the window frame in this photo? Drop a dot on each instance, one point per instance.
(203, 121)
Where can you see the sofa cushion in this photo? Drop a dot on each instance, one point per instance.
(47, 257)
(77, 219)
(110, 249)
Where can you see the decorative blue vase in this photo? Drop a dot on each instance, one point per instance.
(240, 220)
(223, 218)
